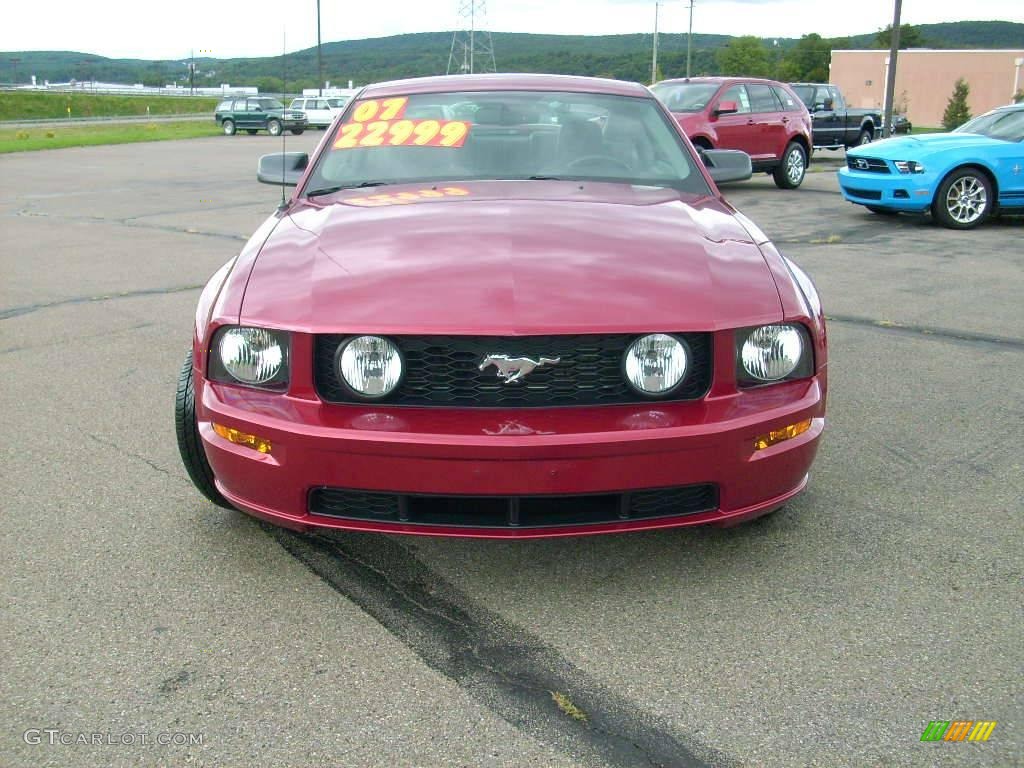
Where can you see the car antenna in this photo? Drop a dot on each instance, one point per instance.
(284, 97)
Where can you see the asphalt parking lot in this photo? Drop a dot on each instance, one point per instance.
(886, 596)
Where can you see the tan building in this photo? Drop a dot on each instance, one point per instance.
(925, 79)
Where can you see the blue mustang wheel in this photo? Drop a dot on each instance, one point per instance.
(964, 199)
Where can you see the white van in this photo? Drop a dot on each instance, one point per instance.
(319, 111)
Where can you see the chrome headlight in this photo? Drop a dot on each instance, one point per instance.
(370, 365)
(255, 356)
(774, 352)
(656, 364)
(908, 166)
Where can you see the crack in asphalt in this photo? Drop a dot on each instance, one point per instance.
(497, 663)
(25, 309)
(942, 334)
(132, 455)
(76, 339)
(135, 223)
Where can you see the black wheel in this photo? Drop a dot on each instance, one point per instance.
(190, 445)
(882, 211)
(274, 127)
(229, 127)
(863, 138)
(964, 199)
(298, 131)
(251, 131)
(789, 173)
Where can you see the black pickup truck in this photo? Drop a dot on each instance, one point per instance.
(834, 125)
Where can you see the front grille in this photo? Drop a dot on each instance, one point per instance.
(513, 511)
(868, 164)
(866, 194)
(443, 371)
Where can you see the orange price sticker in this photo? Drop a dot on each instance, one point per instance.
(402, 133)
(379, 109)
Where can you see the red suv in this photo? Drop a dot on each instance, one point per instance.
(763, 118)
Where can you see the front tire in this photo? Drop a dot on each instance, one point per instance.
(297, 131)
(190, 444)
(964, 199)
(228, 126)
(790, 172)
(274, 127)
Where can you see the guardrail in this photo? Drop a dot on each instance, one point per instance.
(43, 121)
(108, 118)
(212, 93)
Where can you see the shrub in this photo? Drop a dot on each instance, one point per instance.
(957, 113)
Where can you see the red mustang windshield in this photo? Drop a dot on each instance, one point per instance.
(441, 137)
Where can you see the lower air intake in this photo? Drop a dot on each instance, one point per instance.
(513, 511)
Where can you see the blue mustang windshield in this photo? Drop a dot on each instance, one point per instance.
(1007, 125)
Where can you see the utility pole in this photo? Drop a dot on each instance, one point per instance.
(319, 55)
(192, 73)
(654, 53)
(689, 42)
(890, 80)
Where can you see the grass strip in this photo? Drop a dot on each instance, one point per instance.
(59, 137)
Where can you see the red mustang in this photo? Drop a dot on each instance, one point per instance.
(504, 306)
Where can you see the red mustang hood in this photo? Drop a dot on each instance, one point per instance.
(510, 258)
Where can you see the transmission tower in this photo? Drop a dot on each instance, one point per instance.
(472, 49)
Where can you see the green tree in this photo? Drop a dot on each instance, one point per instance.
(957, 113)
(910, 37)
(267, 84)
(1018, 97)
(746, 56)
(807, 61)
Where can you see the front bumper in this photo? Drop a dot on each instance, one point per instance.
(903, 192)
(511, 452)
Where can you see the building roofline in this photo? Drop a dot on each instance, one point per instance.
(929, 50)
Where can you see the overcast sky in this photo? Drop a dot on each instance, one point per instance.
(229, 28)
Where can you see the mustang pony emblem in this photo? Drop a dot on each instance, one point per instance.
(862, 164)
(514, 368)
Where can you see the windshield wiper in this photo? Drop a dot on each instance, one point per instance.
(330, 190)
(543, 178)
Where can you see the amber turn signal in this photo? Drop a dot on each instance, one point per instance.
(778, 435)
(242, 438)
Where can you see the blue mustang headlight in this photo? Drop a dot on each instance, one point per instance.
(908, 166)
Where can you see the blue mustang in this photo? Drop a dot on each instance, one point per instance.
(962, 177)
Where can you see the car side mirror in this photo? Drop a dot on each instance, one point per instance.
(727, 108)
(283, 169)
(727, 165)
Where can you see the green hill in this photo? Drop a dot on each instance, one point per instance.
(962, 34)
(622, 56)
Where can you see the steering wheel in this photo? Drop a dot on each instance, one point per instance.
(604, 160)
